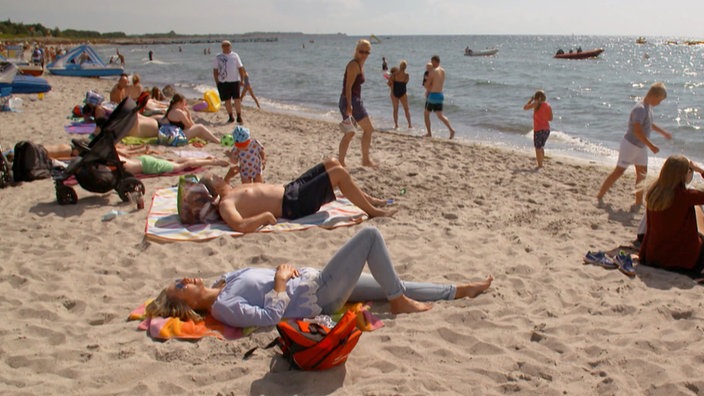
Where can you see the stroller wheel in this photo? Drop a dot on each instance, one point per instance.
(65, 195)
(129, 186)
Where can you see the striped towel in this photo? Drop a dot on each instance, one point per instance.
(163, 223)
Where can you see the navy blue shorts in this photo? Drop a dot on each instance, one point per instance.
(305, 195)
(540, 138)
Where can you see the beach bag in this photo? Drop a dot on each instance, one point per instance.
(171, 135)
(194, 203)
(312, 346)
(31, 162)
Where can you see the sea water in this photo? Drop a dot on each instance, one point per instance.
(484, 96)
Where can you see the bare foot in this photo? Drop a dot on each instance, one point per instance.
(378, 202)
(473, 289)
(369, 163)
(452, 133)
(427, 135)
(383, 212)
(404, 304)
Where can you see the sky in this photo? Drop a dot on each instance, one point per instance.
(673, 18)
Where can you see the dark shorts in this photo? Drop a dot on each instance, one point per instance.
(540, 138)
(358, 111)
(434, 101)
(229, 90)
(305, 195)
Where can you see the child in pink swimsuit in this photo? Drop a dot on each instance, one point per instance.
(249, 156)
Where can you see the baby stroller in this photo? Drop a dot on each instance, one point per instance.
(98, 168)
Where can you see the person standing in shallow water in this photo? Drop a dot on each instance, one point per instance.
(351, 103)
(435, 97)
(542, 115)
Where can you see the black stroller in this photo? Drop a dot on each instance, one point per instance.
(98, 167)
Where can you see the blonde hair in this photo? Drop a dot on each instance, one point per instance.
(135, 78)
(672, 175)
(166, 307)
(657, 90)
(361, 43)
(403, 65)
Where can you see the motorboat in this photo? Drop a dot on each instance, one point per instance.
(579, 54)
(484, 52)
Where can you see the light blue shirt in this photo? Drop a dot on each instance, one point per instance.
(249, 299)
(641, 114)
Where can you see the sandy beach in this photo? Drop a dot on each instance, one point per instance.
(549, 325)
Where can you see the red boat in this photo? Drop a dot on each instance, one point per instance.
(581, 54)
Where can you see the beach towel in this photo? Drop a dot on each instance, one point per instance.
(166, 328)
(71, 181)
(163, 223)
(80, 128)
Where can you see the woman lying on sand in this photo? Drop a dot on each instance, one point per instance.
(262, 296)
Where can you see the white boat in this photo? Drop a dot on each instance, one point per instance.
(484, 52)
(83, 61)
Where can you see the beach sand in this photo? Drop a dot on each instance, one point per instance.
(549, 325)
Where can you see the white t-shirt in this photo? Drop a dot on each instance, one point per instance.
(228, 67)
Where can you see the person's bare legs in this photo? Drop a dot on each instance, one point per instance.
(445, 121)
(539, 155)
(641, 173)
(344, 145)
(426, 116)
(473, 289)
(404, 103)
(200, 131)
(403, 304)
(394, 104)
(228, 107)
(188, 163)
(238, 108)
(610, 180)
(367, 129)
(340, 178)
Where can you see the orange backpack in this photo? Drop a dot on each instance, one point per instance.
(311, 346)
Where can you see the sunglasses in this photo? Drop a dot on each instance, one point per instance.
(364, 52)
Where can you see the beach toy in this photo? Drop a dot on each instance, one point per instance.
(227, 140)
(213, 99)
(201, 106)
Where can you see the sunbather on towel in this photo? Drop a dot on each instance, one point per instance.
(247, 207)
(262, 297)
(150, 165)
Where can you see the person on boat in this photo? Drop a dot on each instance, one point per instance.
(636, 142)
(579, 49)
(398, 80)
(262, 296)
(179, 115)
(351, 105)
(560, 52)
(435, 98)
(673, 236)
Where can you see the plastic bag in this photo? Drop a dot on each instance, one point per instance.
(195, 205)
(171, 135)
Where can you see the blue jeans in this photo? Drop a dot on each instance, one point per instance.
(342, 279)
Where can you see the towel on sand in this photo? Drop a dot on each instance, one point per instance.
(163, 222)
(167, 328)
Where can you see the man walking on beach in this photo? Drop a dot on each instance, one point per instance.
(433, 88)
(228, 71)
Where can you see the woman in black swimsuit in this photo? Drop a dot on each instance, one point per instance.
(178, 114)
(398, 81)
